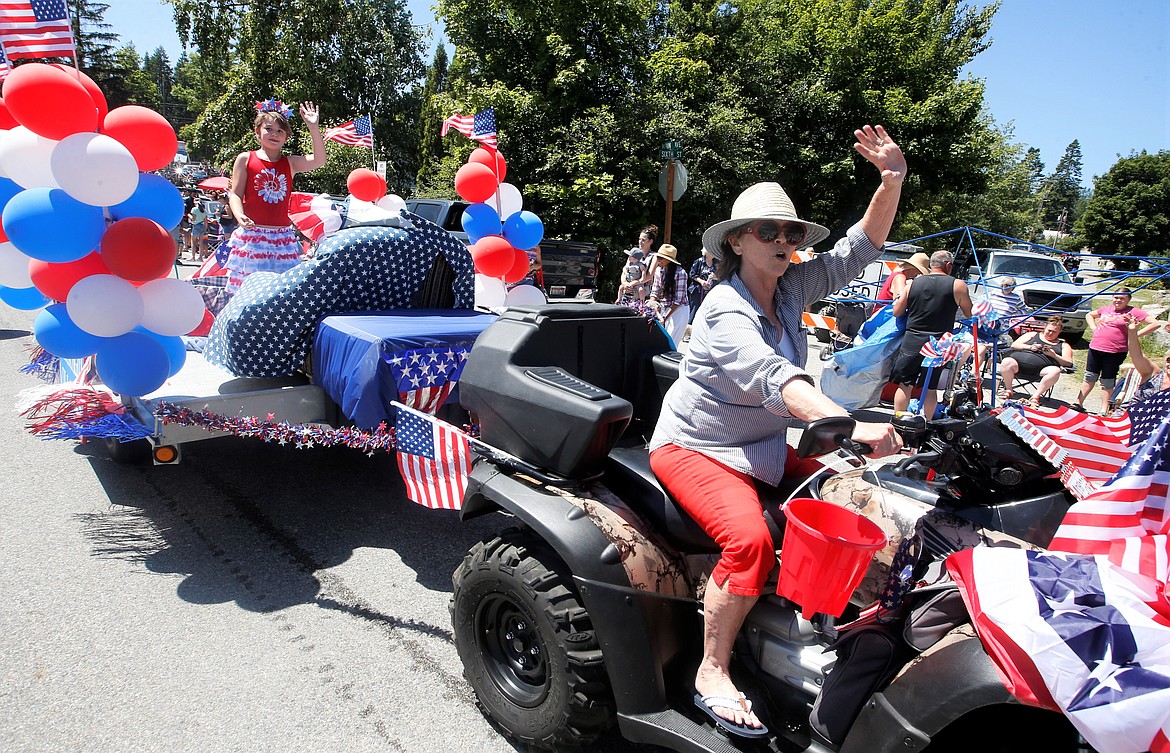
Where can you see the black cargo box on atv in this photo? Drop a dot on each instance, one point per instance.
(558, 385)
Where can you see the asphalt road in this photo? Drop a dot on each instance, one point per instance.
(252, 598)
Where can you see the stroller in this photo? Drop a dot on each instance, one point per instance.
(850, 313)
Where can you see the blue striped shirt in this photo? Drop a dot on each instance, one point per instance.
(727, 402)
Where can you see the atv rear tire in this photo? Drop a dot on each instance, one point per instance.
(527, 644)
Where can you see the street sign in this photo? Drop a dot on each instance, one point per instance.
(670, 150)
(380, 168)
(680, 180)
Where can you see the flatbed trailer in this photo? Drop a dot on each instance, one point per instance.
(202, 386)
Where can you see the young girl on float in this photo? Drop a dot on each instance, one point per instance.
(261, 186)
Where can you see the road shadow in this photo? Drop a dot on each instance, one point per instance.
(13, 334)
(261, 525)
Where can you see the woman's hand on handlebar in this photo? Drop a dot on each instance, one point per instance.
(880, 437)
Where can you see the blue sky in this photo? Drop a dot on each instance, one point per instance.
(1093, 70)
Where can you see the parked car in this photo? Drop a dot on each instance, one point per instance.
(1044, 283)
(570, 267)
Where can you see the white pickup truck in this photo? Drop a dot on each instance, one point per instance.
(1042, 281)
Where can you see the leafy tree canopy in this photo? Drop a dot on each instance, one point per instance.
(1129, 211)
(350, 58)
(586, 91)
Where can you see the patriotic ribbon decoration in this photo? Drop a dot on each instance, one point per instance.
(940, 350)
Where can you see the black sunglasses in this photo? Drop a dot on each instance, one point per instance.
(769, 230)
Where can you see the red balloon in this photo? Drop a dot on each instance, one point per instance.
(138, 249)
(95, 92)
(365, 184)
(493, 159)
(56, 280)
(475, 182)
(148, 136)
(519, 268)
(48, 101)
(493, 256)
(6, 119)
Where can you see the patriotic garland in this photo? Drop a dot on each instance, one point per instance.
(302, 436)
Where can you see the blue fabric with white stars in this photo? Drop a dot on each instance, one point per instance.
(267, 328)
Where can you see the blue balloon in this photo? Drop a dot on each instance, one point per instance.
(156, 198)
(175, 347)
(50, 225)
(25, 299)
(56, 333)
(480, 220)
(133, 364)
(523, 230)
(8, 189)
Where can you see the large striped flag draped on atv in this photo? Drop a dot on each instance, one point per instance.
(1087, 631)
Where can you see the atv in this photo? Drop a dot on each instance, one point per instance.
(588, 610)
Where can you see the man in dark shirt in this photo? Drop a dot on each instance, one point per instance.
(929, 305)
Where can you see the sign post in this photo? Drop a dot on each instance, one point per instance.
(672, 181)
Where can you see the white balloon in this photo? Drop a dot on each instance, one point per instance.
(490, 292)
(104, 305)
(26, 158)
(392, 203)
(525, 295)
(171, 306)
(3, 133)
(94, 169)
(14, 267)
(507, 200)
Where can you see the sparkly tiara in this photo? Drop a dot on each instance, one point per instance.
(275, 105)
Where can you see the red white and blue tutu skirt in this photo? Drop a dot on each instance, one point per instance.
(261, 249)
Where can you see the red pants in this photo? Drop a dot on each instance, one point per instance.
(724, 502)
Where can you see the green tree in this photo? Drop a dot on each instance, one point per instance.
(430, 146)
(1063, 190)
(96, 42)
(1005, 204)
(157, 65)
(585, 92)
(133, 86)
(1129, 211)
(351, 58)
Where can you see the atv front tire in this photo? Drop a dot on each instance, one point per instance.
(527, 644)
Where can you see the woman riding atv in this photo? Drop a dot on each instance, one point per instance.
(742, 382)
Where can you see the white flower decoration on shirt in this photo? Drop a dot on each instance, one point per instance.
(271, 185)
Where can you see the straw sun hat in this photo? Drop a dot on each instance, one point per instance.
(919, 261)
(763, 201)
(668, 252)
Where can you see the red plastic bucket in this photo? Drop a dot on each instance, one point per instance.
(825, 554)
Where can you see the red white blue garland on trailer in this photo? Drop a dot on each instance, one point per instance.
(302, 436)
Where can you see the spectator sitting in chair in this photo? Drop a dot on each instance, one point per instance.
(1037, 354)
(1010, 307)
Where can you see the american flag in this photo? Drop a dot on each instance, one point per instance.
(1096, 446)
(36, 29)
(434, 458)
(1075, 634)
(482, 127)
(1085, 633)
(425, 376)
(5, 66)
(357, 132)
(1132, 504)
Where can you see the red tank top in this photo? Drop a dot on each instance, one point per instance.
(267, 194)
